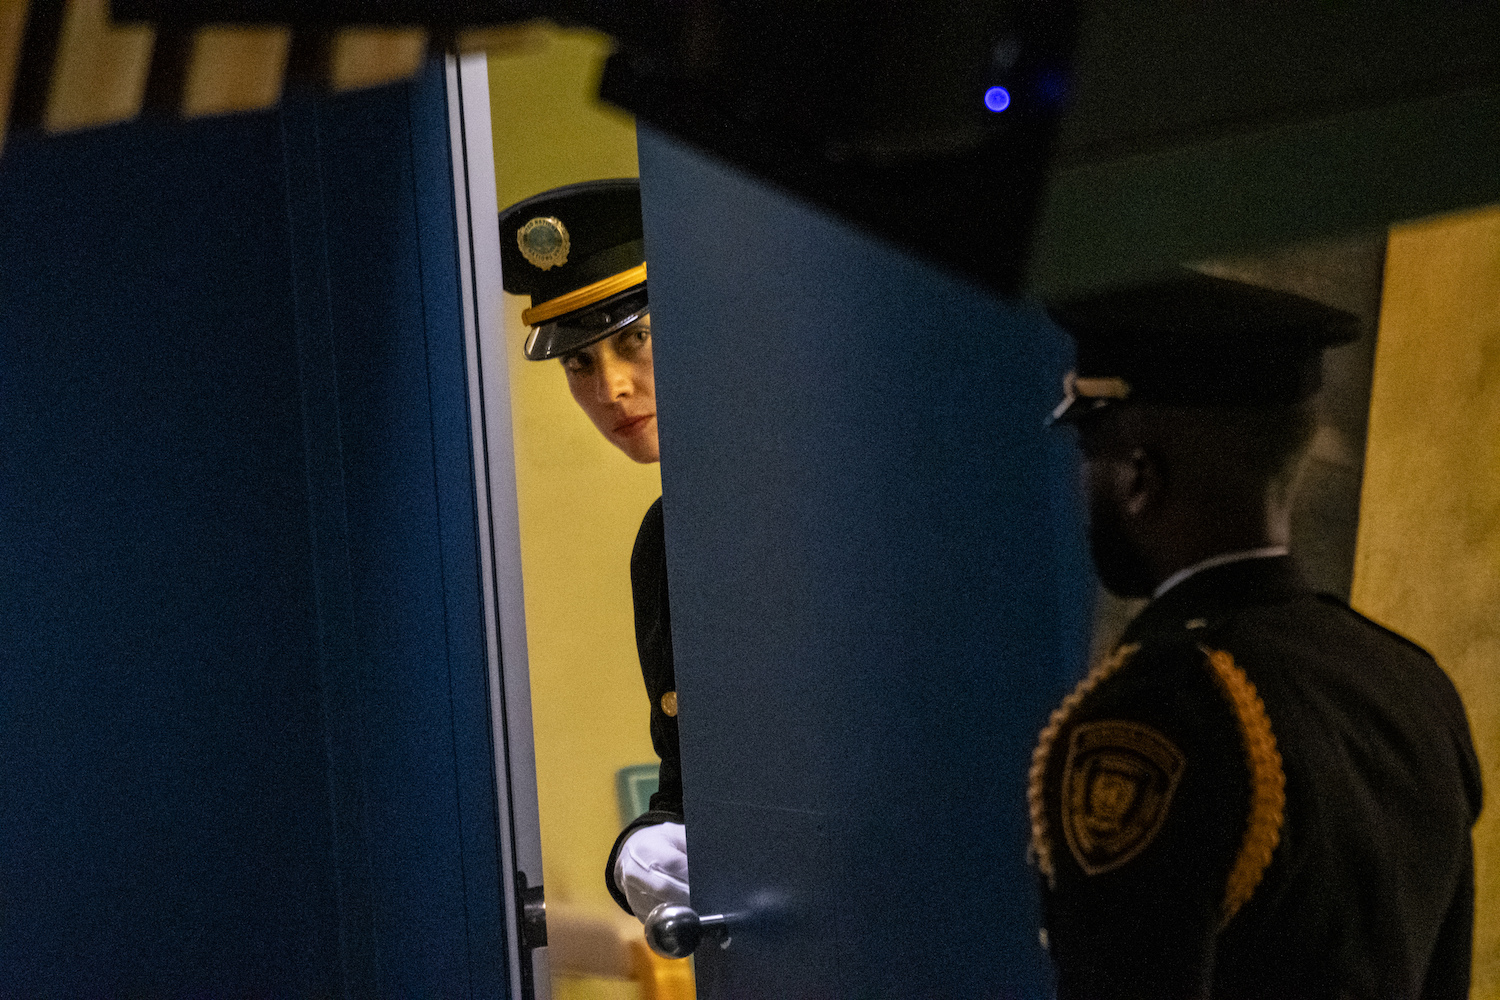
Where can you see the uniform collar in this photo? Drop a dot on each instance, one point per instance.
(1224, 559)
(1213, 590)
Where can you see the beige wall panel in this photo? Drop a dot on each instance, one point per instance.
(235, 69)
(369, 57)
(1428, 557)
(99, 76)
(12, 30)
(504, 39)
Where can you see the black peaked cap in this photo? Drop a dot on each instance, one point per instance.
(1193, 339)
(602, 223)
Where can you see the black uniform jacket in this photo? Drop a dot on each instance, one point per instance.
(1260, 793)
(653, 642)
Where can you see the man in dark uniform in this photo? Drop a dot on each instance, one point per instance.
(579, 252)
(1259, 792)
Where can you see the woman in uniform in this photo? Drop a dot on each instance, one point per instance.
(578, 251)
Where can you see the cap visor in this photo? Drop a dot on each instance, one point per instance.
(1075, 408)
(575, 332)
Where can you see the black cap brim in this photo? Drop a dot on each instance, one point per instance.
(577, 330)
(1195, 340)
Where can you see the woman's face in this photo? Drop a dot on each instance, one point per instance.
(615, 384)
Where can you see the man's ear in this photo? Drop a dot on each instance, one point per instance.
(1142, 482)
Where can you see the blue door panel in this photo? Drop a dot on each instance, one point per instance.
(879, 591)
(243, 710)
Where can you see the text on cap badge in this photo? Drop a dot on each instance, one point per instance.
(544, 242)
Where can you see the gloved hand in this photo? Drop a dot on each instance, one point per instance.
(652, 867)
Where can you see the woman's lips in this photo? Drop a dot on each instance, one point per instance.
(632, 424)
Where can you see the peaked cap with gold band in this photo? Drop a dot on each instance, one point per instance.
(1192, 339)
(579, 252)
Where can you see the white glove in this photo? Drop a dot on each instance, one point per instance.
(652, 867)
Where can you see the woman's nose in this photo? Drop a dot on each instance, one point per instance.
(617, 382)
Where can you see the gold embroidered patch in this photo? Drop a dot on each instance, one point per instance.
(1117, 786)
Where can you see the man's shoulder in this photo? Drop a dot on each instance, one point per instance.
(1341, 609)
(1144, 671)
(1321, 628)
(1315, 658)
(1190, 693)
(1317, 624)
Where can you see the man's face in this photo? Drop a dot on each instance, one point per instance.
(615, 383)
(1109, 475)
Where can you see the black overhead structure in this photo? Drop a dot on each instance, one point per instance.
(1022, 144)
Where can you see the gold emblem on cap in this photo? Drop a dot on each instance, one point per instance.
(669, 703)
(1107, 387)
(1090, 388)
(544, 242)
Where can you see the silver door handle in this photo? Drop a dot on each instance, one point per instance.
(673, 931)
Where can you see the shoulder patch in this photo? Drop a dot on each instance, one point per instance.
(1116, 789)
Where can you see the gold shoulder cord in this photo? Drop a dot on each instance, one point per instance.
(1041, 846)
(1267, 783)
(1267, 780)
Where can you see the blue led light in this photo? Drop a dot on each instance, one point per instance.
(997, 98)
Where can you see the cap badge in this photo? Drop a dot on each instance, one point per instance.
(544, 242)
(1090, 390)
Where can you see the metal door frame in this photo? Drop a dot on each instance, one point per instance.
(499, 529)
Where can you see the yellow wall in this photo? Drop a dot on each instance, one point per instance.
(581, 500)
(1428, 561)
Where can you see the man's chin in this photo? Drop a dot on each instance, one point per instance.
(1121, 573)
(1127, 589)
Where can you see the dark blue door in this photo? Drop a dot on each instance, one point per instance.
(244, 731)
(878, 592)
